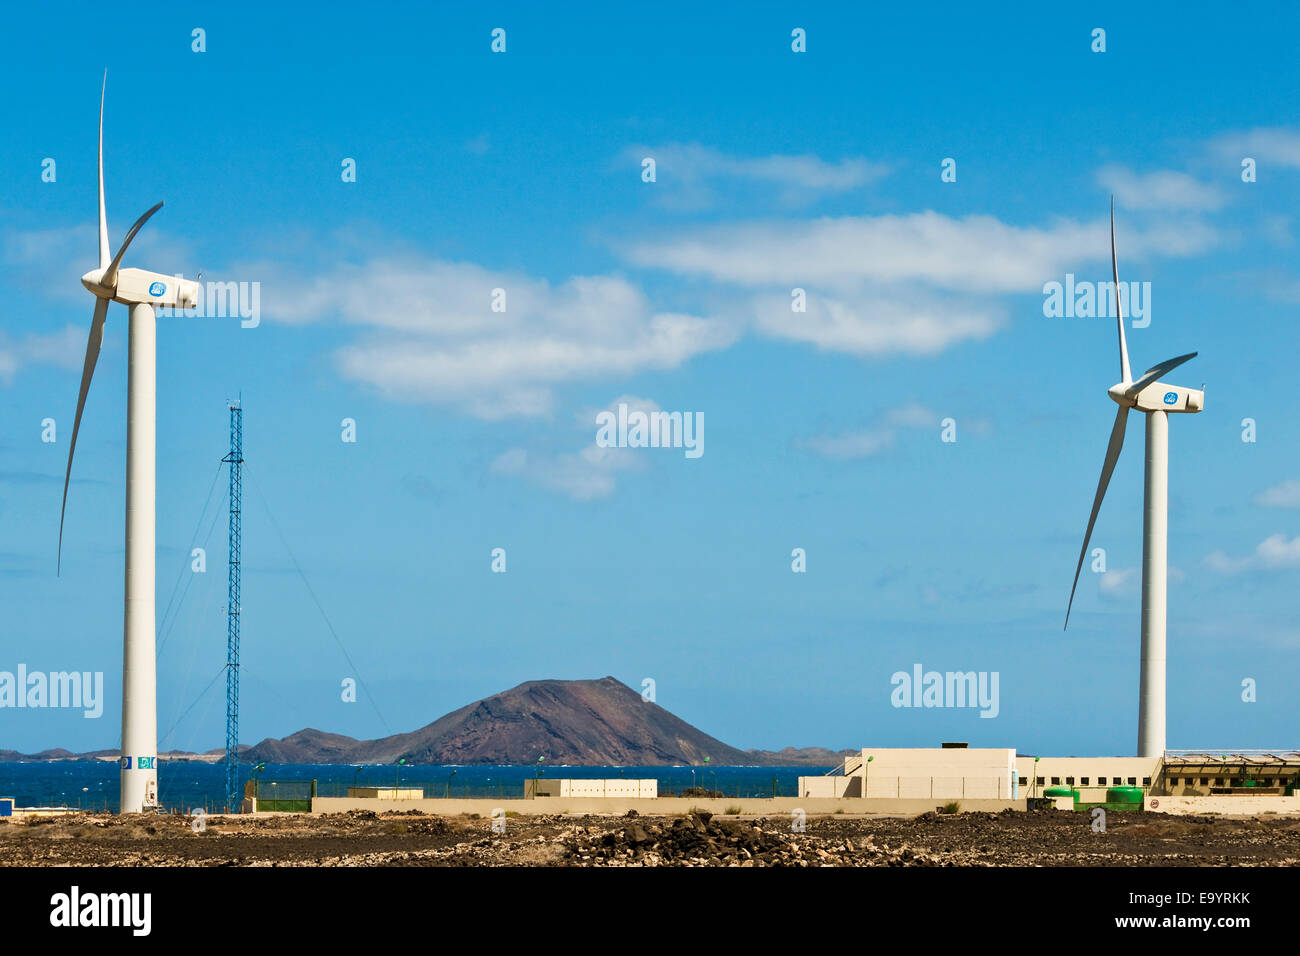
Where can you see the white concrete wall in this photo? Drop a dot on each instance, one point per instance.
(909, 788)
(940, 761)
(610, 787)
(939, 787)
(758, 806)
(1227, 805)
(820, 787)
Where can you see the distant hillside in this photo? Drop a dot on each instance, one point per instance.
(580, 722)
(58, 753)
(583, 722)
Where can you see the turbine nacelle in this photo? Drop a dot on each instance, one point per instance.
(1158, 397)
(134, 286)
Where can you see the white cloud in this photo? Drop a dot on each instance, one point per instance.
(65, 349)
(1164, 189)
(977, 254)
(1274, 552)
(433, 336)
(1270, 283)
(1220, 562)
(1277, 145)
(912, 415)
(861, 444)
(876, 323)
(585, 475)
(871, 441)
(1116, 582)
(687, 174)
(576, 475)
(1285, 494)
(911, 284)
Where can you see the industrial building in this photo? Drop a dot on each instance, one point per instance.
(1186, 779)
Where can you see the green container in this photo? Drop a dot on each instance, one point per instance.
(1062, 792)
(1124, 795)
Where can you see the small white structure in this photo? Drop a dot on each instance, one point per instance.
(611, 787)
(387, 793)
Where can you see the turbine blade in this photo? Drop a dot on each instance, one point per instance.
(92, 356)
(110, 276)
(1112, 455)
(1156, 371)
(1125, 374)
(103, 216)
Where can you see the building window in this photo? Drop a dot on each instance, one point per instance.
(1055, 781)
(1040, 781)
(1069, 781)
(1101, 781)
(1146, 781)
(1132, 781)
(1218, 781)
(1205, 781)
(1083, 780)
(1024, 781)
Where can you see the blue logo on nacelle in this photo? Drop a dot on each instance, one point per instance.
(158, 288)
(1171, 398)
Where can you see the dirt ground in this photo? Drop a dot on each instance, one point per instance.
(364, 838)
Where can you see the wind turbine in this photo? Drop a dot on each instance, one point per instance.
(140, 291)
(1157, 401)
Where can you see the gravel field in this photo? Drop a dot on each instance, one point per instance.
(364, 838)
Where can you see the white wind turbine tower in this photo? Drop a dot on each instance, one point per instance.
(1157, 400)
(140, 291)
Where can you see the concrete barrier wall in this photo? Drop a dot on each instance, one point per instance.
(1227, 805)
(759, 806)
(885, 787)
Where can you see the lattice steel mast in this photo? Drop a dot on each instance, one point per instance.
(236, 460)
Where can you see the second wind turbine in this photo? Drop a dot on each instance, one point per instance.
(1157, 401)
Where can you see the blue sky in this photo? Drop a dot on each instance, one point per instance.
(522, 170)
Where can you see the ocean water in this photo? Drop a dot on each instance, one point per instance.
(93, 784)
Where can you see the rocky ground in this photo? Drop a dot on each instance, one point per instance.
(364, 838)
